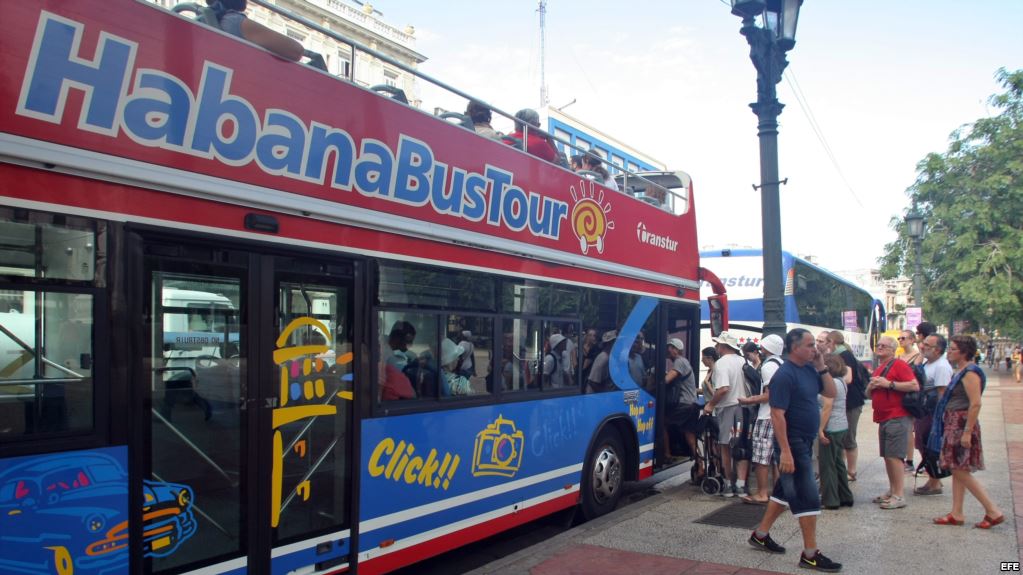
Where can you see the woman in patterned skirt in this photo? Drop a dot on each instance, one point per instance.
(956, 431)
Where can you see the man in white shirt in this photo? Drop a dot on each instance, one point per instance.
(939, 373)
(729, 386)
(763, 432)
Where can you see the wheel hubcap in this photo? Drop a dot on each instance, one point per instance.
(607, 474)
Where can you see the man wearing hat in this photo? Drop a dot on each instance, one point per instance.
(728, 382)
(681, 414)
(763, 432)
(600, 372)
(452, 383)
(553, 370)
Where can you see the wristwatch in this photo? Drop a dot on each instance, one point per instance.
(891, 385)
(822, 371)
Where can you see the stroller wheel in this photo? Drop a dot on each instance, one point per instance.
(711, 485)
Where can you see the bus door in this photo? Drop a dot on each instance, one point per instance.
(248, 411)
(312, 393)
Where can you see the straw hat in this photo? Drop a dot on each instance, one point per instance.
(609, 336)
(727, 339)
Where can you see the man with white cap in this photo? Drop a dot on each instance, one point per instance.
(763, 432)
(681, 411)
(728, 382)
(599, 378)
(452, 383)
(553, 371)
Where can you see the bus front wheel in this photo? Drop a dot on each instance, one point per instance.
(603, 474)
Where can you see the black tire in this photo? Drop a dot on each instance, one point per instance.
(603, 474)
(710, 485)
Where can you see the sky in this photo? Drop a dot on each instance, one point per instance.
(885, 85)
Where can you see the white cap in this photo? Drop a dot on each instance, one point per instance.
(677, 344)
(726, 338)
(450, 351)
(555, 339)
(772, 344)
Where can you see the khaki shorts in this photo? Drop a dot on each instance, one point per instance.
(893, 437)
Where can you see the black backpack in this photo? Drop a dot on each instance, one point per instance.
(753, 380)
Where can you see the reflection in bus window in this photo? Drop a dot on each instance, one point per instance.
(46, 363)
(196, 419)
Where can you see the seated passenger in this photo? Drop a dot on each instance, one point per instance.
(576, 163)
(537, 143)
(233, 21)
(394, 384)
(451, 382)
(481, 117)
(595, 164)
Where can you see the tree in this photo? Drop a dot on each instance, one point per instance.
(972, 198)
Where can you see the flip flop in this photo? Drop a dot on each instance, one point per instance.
(989, 522)
(947, 520)
(752, 501)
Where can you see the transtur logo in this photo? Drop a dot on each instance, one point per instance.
(664, 242)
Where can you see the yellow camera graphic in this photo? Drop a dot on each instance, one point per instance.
(498, 449)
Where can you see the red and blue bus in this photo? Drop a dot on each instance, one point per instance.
(259, 319)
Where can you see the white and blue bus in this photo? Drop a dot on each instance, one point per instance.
(815, 299)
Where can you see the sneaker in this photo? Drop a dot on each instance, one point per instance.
(765, 544)
(895, 502)
(729, 491)
(910, 468)
(742, 491)
(819, 563)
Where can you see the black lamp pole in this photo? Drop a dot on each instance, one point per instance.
(768, 45)
(915, 225)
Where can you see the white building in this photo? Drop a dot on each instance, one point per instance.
(356, 21)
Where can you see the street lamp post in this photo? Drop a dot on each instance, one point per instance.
(915, 229)
(768, 45)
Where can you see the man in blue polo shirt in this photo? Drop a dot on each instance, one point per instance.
(795, 416)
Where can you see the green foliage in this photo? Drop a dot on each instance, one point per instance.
(972, 197)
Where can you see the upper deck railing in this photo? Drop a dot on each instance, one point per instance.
(648, 190)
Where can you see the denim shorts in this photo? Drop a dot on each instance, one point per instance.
(798, 490)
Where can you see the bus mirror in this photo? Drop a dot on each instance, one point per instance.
(718, 305)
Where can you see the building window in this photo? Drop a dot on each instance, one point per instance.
(391, 78)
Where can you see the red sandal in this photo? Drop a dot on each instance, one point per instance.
(949, 520)
(988, 522)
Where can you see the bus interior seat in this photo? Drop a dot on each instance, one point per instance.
(458, 119)
(390, 92)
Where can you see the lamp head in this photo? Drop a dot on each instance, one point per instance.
(915, 223)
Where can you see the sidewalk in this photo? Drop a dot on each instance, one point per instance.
(658, 535)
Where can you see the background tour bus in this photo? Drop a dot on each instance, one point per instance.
(815, 299)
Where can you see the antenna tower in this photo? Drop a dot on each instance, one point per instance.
(542, 9)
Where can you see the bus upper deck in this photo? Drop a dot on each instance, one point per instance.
(106, 100)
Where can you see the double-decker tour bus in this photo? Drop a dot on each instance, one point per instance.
(815, 299)
(260, 319)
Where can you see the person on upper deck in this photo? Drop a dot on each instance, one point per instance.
(233, 21)
(595, 164)
(537, 143)
(481, 116)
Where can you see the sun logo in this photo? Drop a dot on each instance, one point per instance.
(590, 221)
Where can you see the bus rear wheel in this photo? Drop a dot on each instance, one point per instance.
(603, 474)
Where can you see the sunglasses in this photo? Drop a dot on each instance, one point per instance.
(901, 338)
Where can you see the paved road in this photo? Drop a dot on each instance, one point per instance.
(525, 536)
